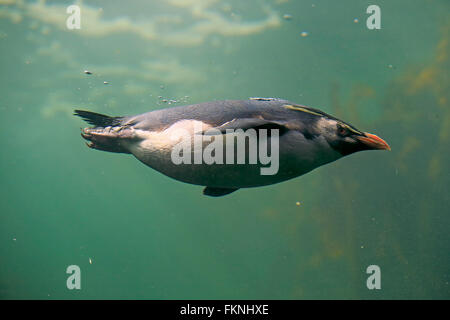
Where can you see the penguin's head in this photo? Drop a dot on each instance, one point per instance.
(346, 139)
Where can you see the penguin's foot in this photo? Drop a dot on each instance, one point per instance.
(104, 139)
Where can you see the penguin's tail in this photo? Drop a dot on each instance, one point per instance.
(108, 133)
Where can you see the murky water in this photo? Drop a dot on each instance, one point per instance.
(137, 234)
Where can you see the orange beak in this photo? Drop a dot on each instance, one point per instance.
(374, 142)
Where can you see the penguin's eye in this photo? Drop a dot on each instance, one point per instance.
(342, 131)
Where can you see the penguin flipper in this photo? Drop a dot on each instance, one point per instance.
(218, 192)
(245, 124)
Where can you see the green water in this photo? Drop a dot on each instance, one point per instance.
(136, 234)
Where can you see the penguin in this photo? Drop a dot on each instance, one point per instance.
(299, 139)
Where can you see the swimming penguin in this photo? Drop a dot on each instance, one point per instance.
(301, 138)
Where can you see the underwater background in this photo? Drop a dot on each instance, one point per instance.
(137, 234)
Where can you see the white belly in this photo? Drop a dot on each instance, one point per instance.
(155, 149)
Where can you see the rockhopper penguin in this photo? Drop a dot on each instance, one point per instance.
(306, 139)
